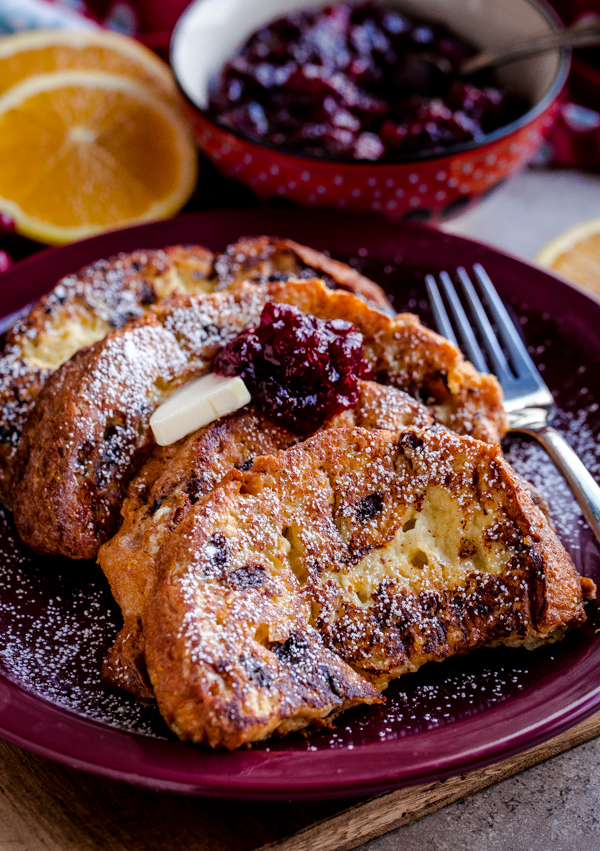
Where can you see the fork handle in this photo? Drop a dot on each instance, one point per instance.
(585, 489)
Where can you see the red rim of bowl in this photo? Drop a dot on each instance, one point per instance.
(528, 117)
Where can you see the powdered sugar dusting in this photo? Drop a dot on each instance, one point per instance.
(57, 620)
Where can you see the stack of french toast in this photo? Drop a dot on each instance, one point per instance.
(270, 578)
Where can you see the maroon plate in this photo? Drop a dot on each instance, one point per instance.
(57, 617)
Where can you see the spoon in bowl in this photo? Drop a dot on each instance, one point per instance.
(585, 33)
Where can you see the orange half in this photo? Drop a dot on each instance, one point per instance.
(85, 151)
(575, 253)
(27, 54)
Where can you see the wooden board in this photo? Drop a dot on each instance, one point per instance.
(46, 807)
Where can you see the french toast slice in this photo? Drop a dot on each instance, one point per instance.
(89, 431)
(175, 477)
(391, 550)
(86, 306)
(80, 310)
(260, 259)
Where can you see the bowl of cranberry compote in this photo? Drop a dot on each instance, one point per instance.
(345, 105)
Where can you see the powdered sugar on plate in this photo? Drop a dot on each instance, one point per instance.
(57, 620)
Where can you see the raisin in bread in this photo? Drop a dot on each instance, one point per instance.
(389, 550)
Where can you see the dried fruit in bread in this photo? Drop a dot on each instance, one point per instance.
(80, 310)
(175, 477)
(89, 431)
(262, 259)
(391, 550)
(103, 296)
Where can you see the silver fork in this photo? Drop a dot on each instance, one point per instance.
(528, 401)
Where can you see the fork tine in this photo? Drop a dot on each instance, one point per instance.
(523, 386)
(528, 402)
(521, 360)
(471, 345)
(442, 320)
(495, 353)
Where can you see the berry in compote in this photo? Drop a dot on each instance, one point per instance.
(355, 81)
(300, 370)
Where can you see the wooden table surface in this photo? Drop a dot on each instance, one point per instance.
(48, 807)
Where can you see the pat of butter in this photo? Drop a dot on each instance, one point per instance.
(197, 404)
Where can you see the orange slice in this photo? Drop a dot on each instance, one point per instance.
(576, 254)
(84, 151)
(27, 54)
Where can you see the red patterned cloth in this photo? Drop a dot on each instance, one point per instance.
(575, 139)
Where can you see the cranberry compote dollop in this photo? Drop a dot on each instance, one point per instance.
(300, 370)
(353, 81)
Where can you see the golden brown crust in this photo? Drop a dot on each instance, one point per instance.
(588, 588)
(80, 310)
(262, 259)
(87, 436)
(175, 477)
(103, 296)
(243, 690)
(396, 549)
(86, 306)
(555, 582)
(169, 483)
(81, 411)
